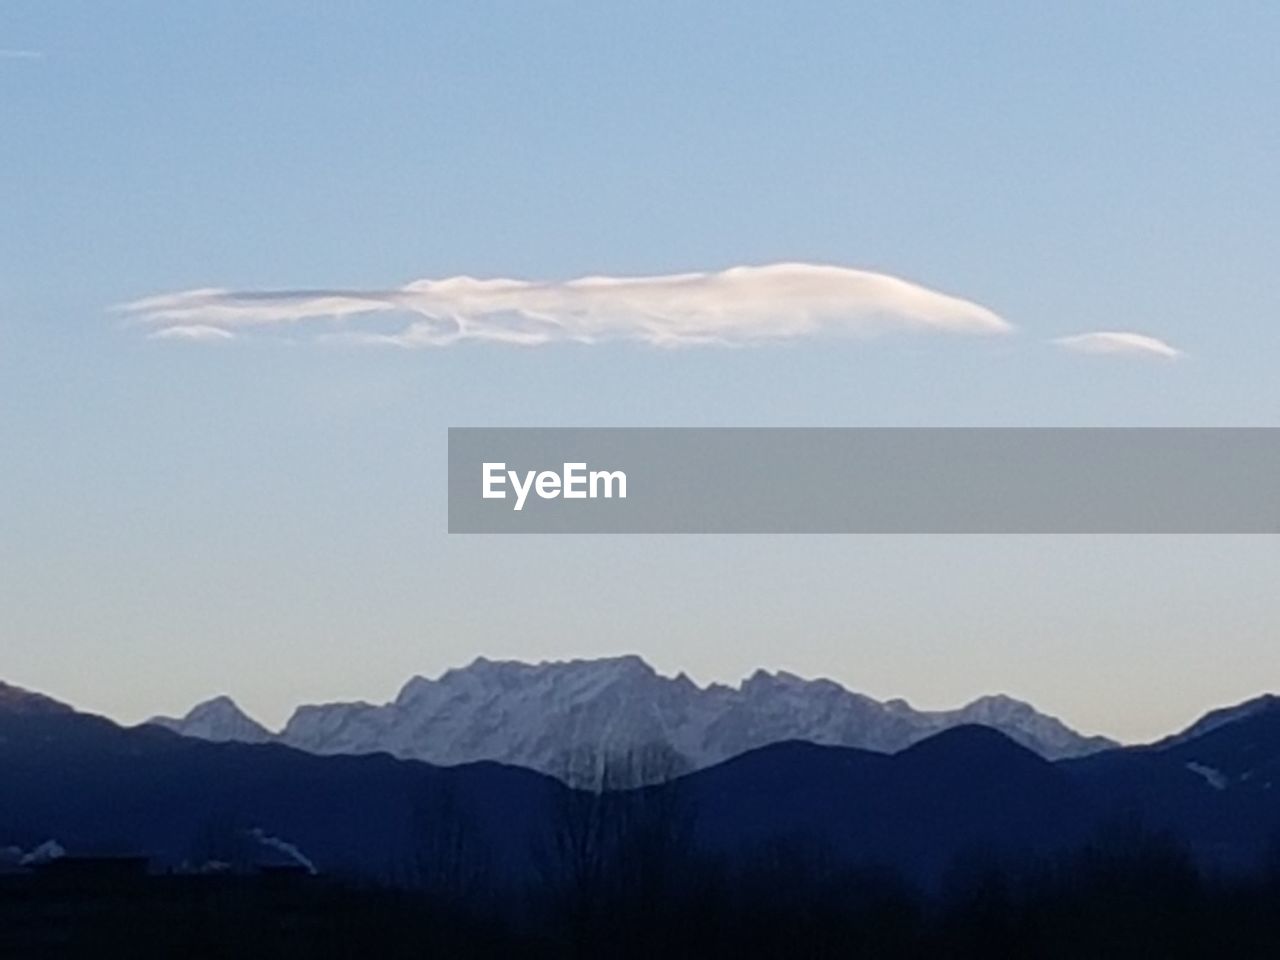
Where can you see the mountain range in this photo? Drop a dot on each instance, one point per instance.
(539, 715)
(80, 783)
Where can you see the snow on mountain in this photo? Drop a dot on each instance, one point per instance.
(543, 715)
(1235, 748)
(1021, 722)
(1214, 778)
(220, 720)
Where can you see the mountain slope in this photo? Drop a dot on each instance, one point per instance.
(536, 715)
(1217, 790)
(96, 788)
(15, 700)
(219, 720)
(1225, 716)
(967, 791)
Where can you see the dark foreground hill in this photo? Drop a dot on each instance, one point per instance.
(99, 789)
(969, 791)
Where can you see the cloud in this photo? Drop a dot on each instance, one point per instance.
(194, 332)
(1119, 343)
(740, 305)
(14, 54)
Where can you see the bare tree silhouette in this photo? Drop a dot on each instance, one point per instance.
(449, 859)
(618, 846)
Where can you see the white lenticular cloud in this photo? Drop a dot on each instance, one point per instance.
(735, 306)
(1119, 343)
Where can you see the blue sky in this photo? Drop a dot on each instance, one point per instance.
(265, 515)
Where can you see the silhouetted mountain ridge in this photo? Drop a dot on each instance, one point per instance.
(17, 700)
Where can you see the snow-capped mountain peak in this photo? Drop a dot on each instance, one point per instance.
(220, 720)
(1046, 735)
(540, 715)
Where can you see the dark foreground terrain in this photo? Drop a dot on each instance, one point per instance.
(1127, 896)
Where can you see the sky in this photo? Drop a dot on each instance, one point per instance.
(239, 492)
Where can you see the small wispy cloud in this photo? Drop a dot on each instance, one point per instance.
(10, 53)
(195, 332)
(744, 304)
(1119, 343)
